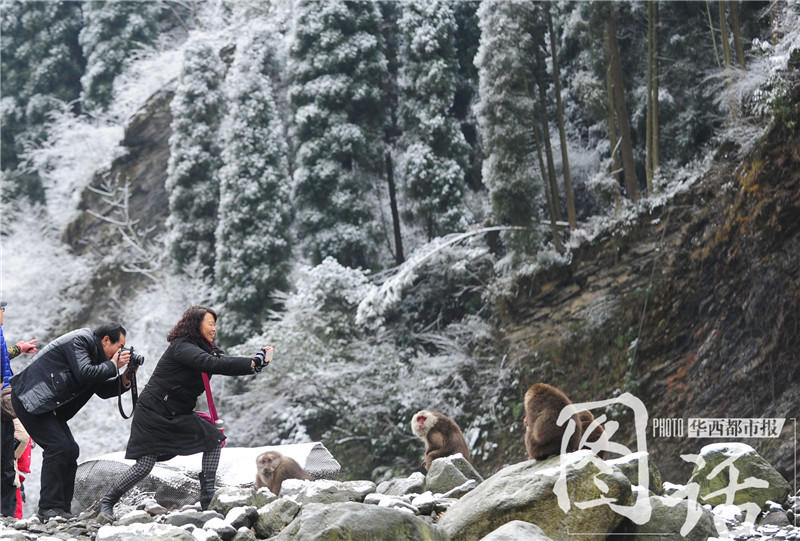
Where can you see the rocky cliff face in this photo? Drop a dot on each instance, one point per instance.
(706, 288)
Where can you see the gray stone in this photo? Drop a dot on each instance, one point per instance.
(460, 490)
(137, 532)
(358, 521)
(244, 534)
(227, 498)
(517, 530)
(205, 535)
(274, 516)
(134, 517)
(721, 461)
(242, 516)
(668, 516)
(415, 483)
(223, 529)
(528, 491)
(326, 491)
(630, 464)
(190, 516)
(447, 473)
(775, 517)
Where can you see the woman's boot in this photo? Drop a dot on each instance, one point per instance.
(105, 513)
(206, 491)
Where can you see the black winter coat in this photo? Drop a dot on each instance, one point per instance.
(164, 423)
(65, 374)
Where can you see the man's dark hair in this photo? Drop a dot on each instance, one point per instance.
(112, 330)
(189, 325)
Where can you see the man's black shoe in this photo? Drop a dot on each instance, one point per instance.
(46, 514)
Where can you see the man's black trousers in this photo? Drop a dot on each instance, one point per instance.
(59, 456)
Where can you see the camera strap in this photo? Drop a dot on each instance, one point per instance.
(134, 392)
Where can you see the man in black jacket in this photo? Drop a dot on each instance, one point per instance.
(61, 378)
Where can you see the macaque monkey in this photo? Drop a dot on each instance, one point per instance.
(441, 435)
(273, 468)
(543, 404)
(587, 418)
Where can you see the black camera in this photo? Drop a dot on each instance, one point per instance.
(137, 359)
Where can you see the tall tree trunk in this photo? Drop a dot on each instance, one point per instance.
(648, 137)
(656, 123)
(723, 30)
(773, 23)
(398, 239)
(733, 5)
(651, 159)
(551, 204)
(613, 140)
(626, 145)
(568, 191)
(548, 150)
(713, 36)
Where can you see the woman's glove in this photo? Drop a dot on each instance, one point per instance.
(262, 358)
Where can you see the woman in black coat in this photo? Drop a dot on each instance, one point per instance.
(164, 423)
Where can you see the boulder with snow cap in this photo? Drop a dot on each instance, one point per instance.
(734, 473)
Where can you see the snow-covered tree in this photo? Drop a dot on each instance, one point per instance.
(336, 67)
(506, 111)
(194, 159)
(111, 32)
(40, 69)
(435, 155)
(253, 237)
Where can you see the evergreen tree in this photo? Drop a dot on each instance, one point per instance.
(467, 37)
(505, 113)
(194, 159)
(253, 245)
(337, 66)
(390, 12)
(435, 157)
(40, 69)
(111, 31)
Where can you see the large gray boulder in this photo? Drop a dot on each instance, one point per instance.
(351, 521)
(525, 491)
(736, 470)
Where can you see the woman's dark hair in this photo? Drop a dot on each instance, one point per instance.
(112, 330)
(189, 324)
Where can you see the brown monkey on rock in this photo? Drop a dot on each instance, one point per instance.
(441, 435)
(274, 468)
(543, 403)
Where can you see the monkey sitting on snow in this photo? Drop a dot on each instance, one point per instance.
(441, 435)
(543, 404)
(274, 468)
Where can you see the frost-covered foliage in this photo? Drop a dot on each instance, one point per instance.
(330, 381)
(75, 148)
(435, 157)
(111, 31)
(506, 111)
(379, 300)
(194, 159)
(253, 241)
(336, 67)
(41, 67)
